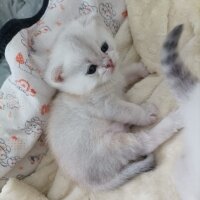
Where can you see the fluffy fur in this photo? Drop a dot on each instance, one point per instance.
(88, 128)
(186, 87)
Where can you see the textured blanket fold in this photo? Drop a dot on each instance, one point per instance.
(139, 37)
(14, 9)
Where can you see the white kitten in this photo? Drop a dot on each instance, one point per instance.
(187, 90)
(87, 130)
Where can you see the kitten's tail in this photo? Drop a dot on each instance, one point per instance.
(179, 77)
(127, 173)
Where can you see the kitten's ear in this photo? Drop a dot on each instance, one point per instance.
(57, 74)
(54, 75)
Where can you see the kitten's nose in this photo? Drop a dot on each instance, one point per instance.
(110, 64)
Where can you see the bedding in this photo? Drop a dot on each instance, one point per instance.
(18, 9)
(4, 71)
(140, 36)
(14, 9)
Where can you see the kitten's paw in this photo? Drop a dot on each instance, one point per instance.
(150, 113)
(150, 163)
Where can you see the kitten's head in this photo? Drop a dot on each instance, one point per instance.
(84, 57)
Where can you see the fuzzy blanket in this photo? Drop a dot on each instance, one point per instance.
(140, 37)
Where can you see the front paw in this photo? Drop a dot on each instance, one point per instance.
(150, 114)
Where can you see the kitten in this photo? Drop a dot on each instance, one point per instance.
(87, 129)
(186, 87)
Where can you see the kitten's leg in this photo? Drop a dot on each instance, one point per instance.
(134, 73)
(128, 172)
(122, 148)
(130, 113)
(161, 132)
(143, 143)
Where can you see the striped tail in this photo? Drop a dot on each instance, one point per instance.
(179, 77)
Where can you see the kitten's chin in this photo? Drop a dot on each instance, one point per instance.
(110, 73)
(78, 91)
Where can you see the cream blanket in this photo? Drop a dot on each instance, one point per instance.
(140, 36)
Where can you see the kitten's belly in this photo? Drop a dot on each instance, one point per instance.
(74, 143)
(115, 127)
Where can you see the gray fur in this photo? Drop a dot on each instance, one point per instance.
(187, 89)
(181, 79)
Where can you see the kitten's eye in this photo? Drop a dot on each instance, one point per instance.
(104, 47)
(92, 69)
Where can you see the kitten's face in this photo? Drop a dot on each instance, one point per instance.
(84, 57)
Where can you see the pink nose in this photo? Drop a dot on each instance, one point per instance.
(110, 64)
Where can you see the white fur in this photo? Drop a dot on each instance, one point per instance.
(186, 88)
(78, 47)
(188, 166)
(87, 130)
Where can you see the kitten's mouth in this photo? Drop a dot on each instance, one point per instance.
(110, 65)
